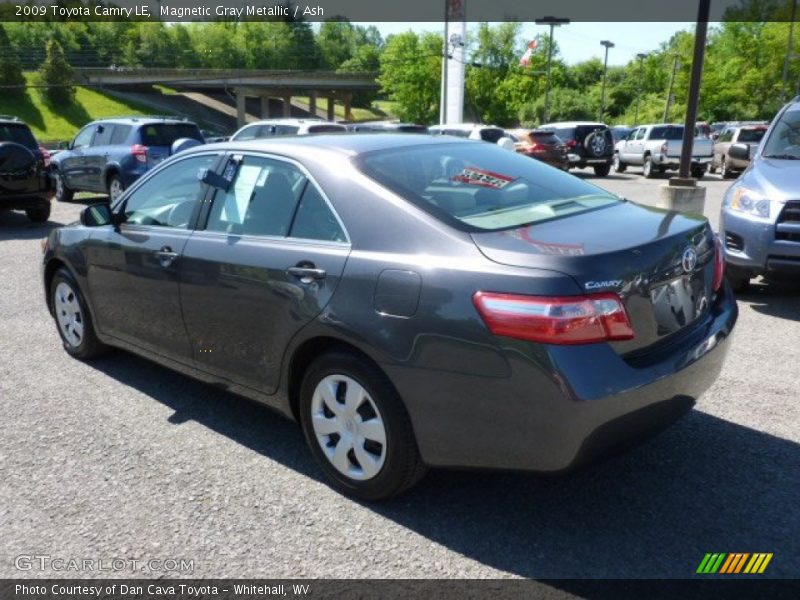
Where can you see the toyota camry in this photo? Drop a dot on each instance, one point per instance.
(411, 301)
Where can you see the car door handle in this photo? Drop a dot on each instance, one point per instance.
(306, 274)
(166, 256)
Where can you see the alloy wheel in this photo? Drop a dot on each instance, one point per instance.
(69, 314)
(115, 189)
(348, 427)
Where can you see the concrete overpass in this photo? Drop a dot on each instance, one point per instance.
(244, 83)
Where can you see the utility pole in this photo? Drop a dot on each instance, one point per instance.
(553, 22)
(790, 54)
(607, 45)
(675, 60)
(694, 88)
(641, 56)
(443, 79)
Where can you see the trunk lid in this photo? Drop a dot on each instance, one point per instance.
(660, 263)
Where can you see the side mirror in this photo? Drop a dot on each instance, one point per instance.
(97, 215)
(739, 151)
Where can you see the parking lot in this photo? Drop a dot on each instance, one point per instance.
(121, 458)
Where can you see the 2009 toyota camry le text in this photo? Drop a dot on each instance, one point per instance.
(412, 301)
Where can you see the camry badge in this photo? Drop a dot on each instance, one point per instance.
(689, 259)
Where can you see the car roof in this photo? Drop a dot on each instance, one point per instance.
(574, 124)
(465, 126)
(12, 120)
(287, 121)
(144, 120)
(349, 144)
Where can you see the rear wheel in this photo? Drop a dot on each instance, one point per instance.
(619, 166)
(648, 168)
(115, 188)
(725, 171)
(63, 193)
(40, 214)
(602, 170)
(698, 172)
(72, 317)
(357, 428)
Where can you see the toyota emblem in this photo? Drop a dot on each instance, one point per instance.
(689, 259)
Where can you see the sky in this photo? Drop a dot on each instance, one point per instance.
(579, 41)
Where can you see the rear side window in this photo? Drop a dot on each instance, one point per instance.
(19, 134)
(666, 133)
(164, 134)
(481, 187)
(286, 129)
(120, 134)
(751, 135)
(315, 219)
(326, 129)
(103, 135)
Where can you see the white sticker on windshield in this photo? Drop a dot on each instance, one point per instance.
(475, 176)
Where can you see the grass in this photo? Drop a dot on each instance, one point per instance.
(359, 114)
(55, 123)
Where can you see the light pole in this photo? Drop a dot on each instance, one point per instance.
(553, 22)
(641, 56)
(608, 45)
(671, 84)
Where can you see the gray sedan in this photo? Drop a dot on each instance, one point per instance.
(413, 301)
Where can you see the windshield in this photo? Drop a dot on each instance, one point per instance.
(481, 187)
(666, 133)
(165, 134)
(784, 141)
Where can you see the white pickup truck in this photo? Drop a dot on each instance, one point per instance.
(657, 148)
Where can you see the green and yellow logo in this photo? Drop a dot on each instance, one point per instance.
(737, 562)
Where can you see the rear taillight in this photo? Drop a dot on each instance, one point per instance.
(719, 264)
(537, 147)
(572, 143)
(555, 319)
(139, 152)
(45, 155)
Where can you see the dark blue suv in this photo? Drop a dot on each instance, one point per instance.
(108, 155)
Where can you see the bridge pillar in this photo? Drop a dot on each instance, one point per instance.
(331, 114)
(348, 107)
(264, 107)
(240, 107)
(287, 106)
(312, 103)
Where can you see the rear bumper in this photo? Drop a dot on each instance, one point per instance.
(674, 162)
(562, 406)
(582, 161)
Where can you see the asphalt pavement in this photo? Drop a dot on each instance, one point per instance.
(121, 458)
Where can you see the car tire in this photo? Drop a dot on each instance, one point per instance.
(619, 166)
(738, 278)
(40, 214)
(698, 173)
(373, 462)
(712, 168)
(725, 171)
(648, 168)
(115, 188)
(601, 170)
(73, 321)
(63, 193)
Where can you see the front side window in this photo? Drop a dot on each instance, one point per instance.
(640, 133)
(784, 141)
(103, 135)
(168, 198)
(481, 187)
(84, 137)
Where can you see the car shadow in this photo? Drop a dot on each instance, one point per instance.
(14, 225)
(704, 485)
(773, 298)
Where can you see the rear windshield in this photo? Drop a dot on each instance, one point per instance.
(752, 135)
(164, 134)
(326, 129)
(666, 133)
(481, 187)
(784, 141)
(18, 134)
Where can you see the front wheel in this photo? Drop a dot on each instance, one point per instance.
(601, 170)
(357, 428)
(40, 214)
(72, 317)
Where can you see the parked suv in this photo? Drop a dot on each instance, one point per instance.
(277, 127)
(760, 217)
(588, 144)
(108, 155)
(24, 179)
(741, 134)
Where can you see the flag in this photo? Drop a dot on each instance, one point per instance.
(526, 58)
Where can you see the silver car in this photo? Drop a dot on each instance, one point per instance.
(760, 219)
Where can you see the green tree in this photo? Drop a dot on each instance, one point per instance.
(10, 70)
(411, 75)
(57, 74)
